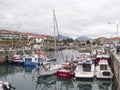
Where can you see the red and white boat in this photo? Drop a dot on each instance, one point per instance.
(102, 56)
(67, 71)
(103, 70)
(16, 59)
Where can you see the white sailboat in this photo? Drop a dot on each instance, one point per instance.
(103, 70)
(56, 33)
(51, 69)
(85, 69)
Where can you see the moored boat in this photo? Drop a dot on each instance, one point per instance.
(31, 60)
(103, 70)
(16, 59)
(49, 69)
(102, 56)
(67, 71)
(85, 69)
(35, 58)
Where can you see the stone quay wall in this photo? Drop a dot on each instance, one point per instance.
(6, 55)
(116, 68)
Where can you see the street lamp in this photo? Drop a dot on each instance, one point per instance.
(117, 26)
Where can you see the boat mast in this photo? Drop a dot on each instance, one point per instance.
(56, 30)
(55, 27)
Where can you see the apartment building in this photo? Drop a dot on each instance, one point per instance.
(31, 37)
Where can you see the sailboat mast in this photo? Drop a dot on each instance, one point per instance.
(56, 30)
(54, 23)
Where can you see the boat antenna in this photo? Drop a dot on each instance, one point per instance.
(56, 30)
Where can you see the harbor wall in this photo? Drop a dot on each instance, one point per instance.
(115, 58)
(5, 55)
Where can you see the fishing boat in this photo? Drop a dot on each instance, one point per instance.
(16, 59)
(31, 60)
(103, 70)
(34, 59)
(67, 71)
(101, 54)
(85, 69)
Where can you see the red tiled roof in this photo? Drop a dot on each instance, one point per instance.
(30, 34)
(114, 38)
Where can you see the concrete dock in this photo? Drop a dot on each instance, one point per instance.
(116, 67)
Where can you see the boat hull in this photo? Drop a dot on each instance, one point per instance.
(48, 73)
(103, 70)
(85, 70)
(84, 75)
(104, 75)
(30, 63)
(21, 62)
(67, 74)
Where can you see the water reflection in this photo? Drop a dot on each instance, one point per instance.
(105, 84)
(65, 84)
(10, 69)
(21, 77)
(28, 69)
(45, 83)
(85, 85)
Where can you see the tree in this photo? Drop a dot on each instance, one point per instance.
(93, 42)
(88, 42)
(69, 40)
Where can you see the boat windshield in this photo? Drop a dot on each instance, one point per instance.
(28, 59)
(103, 67)
(86, 67)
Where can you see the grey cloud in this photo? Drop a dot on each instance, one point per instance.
(75, 17)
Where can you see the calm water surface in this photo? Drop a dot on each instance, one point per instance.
(21, 78)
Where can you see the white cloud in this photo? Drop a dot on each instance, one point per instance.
(74, 17)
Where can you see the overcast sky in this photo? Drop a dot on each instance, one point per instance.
(74, 17)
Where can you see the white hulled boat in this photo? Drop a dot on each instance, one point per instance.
(35, 58)
(102, 54)
(47, 70)
(103, 70)
(85, 69)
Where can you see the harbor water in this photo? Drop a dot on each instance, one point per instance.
(22, 78)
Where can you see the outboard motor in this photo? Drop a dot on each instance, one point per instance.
(7, 86)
